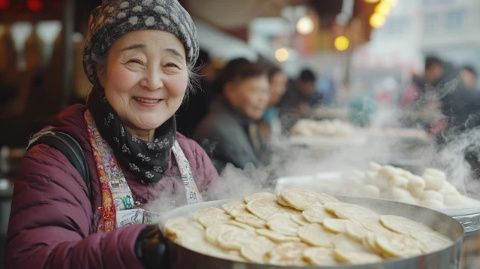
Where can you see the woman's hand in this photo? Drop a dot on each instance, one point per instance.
(151, 248)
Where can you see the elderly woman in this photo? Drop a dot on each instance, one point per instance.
(138, 56)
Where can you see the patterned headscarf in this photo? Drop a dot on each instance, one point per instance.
(114, 18)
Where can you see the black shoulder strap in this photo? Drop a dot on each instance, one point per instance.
(69, 147)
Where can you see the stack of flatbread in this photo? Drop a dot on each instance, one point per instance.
(299, 227)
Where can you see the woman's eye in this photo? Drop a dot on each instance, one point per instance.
(172, 65)
(135, 61)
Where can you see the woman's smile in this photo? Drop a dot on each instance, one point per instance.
(147, 101)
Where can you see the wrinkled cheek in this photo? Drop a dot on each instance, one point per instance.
(122, 80)
(116, 88)
(178, 87)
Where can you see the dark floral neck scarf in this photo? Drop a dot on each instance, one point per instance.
(147, 160)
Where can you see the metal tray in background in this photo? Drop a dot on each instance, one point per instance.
(448, 258)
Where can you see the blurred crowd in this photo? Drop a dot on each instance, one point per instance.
(445, 100)
(238, 112)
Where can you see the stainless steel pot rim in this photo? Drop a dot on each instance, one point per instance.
(460, 211)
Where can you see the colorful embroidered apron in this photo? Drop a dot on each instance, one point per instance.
(118, 207)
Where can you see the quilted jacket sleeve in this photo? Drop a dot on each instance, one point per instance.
(51, 220)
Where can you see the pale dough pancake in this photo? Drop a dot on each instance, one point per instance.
(210, 215)
(299, 219)
(233, 239)
(256, 249)
(290, 253)
(266, 208)
(316, 214)
(319, 256)
(401, 246)
(336, 225)
(259, 195)
(234, 208)
(283, 224)
(345, 243)
(276, 237)
(301, 199)
(355, 231)
(250, 219)
(349, 211)
(315, 235)
(181, 230)
(355, 257)
(403, 225)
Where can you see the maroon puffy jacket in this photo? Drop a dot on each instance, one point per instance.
(52, 224)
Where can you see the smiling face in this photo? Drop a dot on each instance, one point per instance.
(249, 96)
(145, 79)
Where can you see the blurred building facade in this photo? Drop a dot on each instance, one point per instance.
(446, 28)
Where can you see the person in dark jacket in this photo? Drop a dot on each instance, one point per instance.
(230, 132)
(299, 99)
(138, 55)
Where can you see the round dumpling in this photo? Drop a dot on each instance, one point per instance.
(416, 185)
(402, 195)
(432, 195)
(434, 179)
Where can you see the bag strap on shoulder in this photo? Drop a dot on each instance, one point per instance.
(69, 146)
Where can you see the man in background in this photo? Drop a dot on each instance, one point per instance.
(422, 98)
(299, 100)
(462, 106)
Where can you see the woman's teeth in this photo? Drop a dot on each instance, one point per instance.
(147, 100)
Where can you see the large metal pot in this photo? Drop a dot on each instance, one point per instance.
(181, 257)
